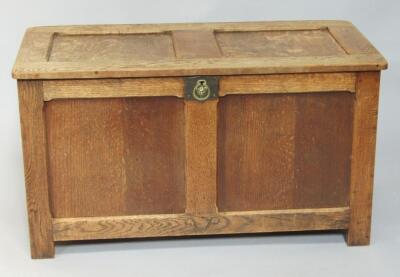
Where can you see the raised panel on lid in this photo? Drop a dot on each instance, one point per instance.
(111, 47)
(294, 43)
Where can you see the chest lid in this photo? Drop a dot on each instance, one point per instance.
(117, 51)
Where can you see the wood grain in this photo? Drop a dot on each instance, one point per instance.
(195, 67)
(220, 26)
(35, 47)
(246, 84)
(255, 152)
(282, 151)
(278, 43)
(287, 83)
(86, 147)
(363, 158)
(35, 165)
(112, 88)
(201, 156)
(116, 156)
(323, 136)
(123, 51)
(352, 41)
(154, 142)
(112, 47)
(183, 225)
(201, 44)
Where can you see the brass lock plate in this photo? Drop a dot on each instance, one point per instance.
(201, 88)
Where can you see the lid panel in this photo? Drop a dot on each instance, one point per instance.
(278, 44)
(126, 51)
(198, 44)
(111, 47)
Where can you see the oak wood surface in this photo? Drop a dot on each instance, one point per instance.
(352, 41)
(284, 151)
(35, 165)
(199, 67)
(116, 156)
(113, 150)
(213, 224)
(167, 86)
(116, 48)
(278, 43)
(202, 45)
(182, 50)
(201, 156)
(363, 158)
(112, 88)
(323, 136)
(287, 83)
(166, 27)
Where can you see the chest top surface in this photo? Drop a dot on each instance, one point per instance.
(152, 50)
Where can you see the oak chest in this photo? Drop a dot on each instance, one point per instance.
(197, 129)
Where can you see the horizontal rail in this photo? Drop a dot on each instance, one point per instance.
(86, 228)
(170, 86)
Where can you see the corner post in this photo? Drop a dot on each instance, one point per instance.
(363, 157)
(31, 106)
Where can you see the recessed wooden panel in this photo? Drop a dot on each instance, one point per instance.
(111, 48)
(116, 156)
(323, 135)
(255, 152)
(284, 151)
(294, 43)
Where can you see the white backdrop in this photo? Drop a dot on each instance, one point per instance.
(279, 255)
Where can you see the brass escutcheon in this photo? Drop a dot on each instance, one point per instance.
(201, 90)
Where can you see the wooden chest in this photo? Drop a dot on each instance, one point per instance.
(197, 129)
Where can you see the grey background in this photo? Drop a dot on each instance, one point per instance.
(278, 255)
